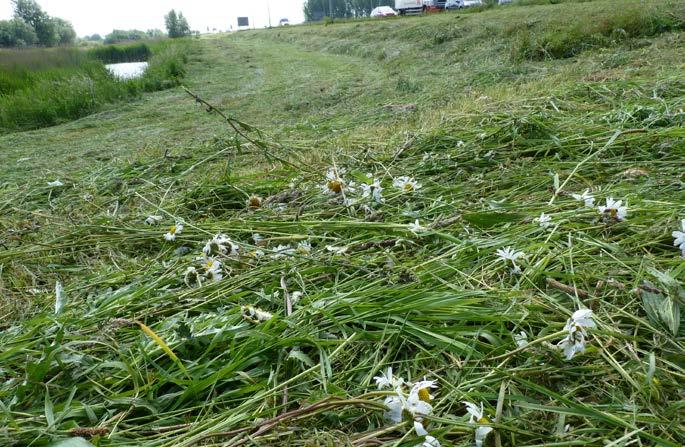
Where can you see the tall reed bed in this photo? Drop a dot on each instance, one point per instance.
(44, 87)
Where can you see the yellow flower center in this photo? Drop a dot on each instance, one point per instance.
(483, 420)
(408, 187)
(255, 202)
(613, 212)
(335, 186)
(424, 395)
(172, 230)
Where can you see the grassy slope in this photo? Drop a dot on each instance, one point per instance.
(439, 305)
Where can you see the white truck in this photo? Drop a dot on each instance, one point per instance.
(408, 6)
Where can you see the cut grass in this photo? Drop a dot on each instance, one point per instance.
(486, 144)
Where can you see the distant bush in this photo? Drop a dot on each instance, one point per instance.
(564, 41)
(119, 35)
(112, 54)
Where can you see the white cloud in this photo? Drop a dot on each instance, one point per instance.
(101, 16)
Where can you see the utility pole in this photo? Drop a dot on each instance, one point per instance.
(268, 11)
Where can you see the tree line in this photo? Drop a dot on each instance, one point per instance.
(318, 9)
(33, 26)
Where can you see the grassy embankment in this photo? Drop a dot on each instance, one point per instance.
(451, 100)
(44, 87)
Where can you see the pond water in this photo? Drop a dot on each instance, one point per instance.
(128, 70)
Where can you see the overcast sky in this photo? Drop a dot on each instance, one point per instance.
(102, 16)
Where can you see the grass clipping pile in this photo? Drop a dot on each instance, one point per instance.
(507, 279)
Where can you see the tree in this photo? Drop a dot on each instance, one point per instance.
(49, 31)
(176, 24)
(16, 33)
(66, 33)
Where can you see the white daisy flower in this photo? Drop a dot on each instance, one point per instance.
(388, 380)
(304, 247)
(509, 254)
(213, 269)
(576, 326)
(614, 209)
(153, 220)
(417, 404)
(416, 228)
(478, 417)
(460, 144)
(521, 339)
(336, 250)
(679, 238)
(221, 244)
(335, 183)
(256, 315)
(395, 407)
(544, 220)
(406, 184)
(373, 191)
(55, 184)
(174, 230)
(586, 197)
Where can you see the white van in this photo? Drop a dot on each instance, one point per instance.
(408, 6)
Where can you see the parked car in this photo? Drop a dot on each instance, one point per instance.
(503, 2)
(408, 6)
(383, 11)
(458, 4)
(283, 22)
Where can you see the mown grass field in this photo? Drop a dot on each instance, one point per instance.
(137, 353)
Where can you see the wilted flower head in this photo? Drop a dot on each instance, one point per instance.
(336, 250)
(406, 184)
(153, 220)
(213, 269)
(174, 230)
(521, 339)
(509, 254)
(283, 250)
(679, 238)
(544, 220)
(304, 248)
(586, 197)
(335, 183)
(372, 191)
(55, 184)
(388, 380)
(478, 417)
(253, 202)
(395, 407)
(614, 209)
(575, 327)
(221, 244)
(416, 228)
(192, 277)
(255, 315)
